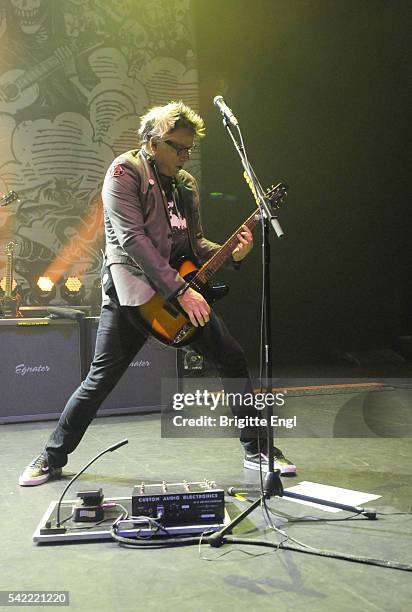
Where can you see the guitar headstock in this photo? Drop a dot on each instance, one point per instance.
(275, 194)
(8, 198)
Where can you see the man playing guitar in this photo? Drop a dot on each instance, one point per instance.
(151, 215)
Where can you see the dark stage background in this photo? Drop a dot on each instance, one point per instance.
(319, 88)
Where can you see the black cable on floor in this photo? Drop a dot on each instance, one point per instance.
(324, 553)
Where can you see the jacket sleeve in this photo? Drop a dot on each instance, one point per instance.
(125, 222)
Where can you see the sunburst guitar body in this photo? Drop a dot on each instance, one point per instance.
(165, 319)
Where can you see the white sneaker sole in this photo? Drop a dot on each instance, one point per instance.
(284, 469)
(27, 481)
(32, 482)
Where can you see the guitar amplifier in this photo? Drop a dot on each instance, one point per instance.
(39, 367)
(44, 360)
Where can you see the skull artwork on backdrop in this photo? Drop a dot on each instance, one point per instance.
(29, 14)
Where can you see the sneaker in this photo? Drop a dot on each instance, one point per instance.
(38, 472)
(252, 462)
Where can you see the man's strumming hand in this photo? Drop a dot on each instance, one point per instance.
(195, 305)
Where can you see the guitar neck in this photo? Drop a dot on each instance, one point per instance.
(225, 251)
(9, 276)
(45, 68)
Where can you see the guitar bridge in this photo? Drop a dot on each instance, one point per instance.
(180, 336)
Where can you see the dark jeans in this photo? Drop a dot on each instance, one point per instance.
(118, 340)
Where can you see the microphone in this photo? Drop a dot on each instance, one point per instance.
(219, 102)
(117, 445)
(246, 489)
(272, 485)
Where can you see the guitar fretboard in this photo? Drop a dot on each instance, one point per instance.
(273, 196)
(223, 254)
(36, 73)
(9, 276)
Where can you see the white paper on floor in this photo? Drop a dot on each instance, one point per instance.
(329, 493)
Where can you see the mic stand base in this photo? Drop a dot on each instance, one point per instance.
(272, 486)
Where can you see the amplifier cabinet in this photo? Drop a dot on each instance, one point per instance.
(39, 367)
(42, 362)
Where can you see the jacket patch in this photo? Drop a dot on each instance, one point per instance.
(117, 170)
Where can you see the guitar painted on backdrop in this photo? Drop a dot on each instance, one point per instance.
(165, 319)
(19, 89)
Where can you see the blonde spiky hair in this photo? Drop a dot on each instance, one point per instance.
(161, 120)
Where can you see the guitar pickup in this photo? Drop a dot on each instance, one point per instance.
(172, 310)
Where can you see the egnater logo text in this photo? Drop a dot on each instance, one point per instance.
(139, 364)
(23, 369)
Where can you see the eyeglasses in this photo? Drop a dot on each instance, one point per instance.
(179, 149)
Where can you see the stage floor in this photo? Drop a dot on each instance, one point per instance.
(104, 576)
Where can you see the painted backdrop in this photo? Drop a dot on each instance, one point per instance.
(74, 77)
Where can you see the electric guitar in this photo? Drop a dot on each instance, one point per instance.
(165, 319)
(10, 302)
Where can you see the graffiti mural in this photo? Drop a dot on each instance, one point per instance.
(75, 75)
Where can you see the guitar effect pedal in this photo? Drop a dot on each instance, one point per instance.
(183, 503)
(89, 510)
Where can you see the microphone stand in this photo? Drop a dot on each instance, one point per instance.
(268, 218)
(272, 484)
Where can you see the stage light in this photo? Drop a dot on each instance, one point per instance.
(73, 291)
(43, 291)
(45, 284)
